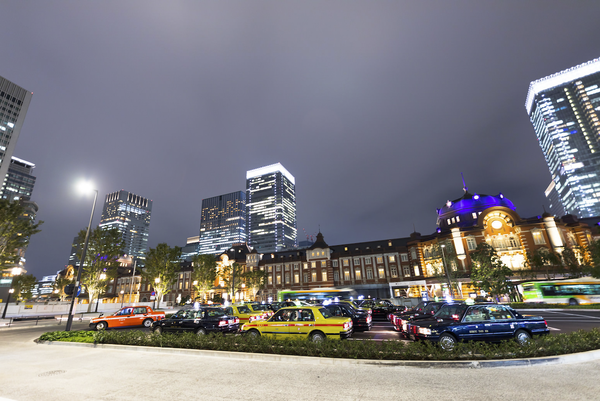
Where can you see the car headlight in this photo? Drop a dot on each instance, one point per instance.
(425, 331)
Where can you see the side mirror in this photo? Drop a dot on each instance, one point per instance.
(102, 314)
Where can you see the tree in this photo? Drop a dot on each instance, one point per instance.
(571, 262)
(15, 231)
(231, 273)
(594, 256)
(101, 260)
(438, 266)
(255, 281)
(204, 273)
(162, 263)
(543, 259)
(488, 271)
(23, 285)
(60, 284)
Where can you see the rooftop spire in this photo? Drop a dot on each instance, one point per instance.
(464, 185)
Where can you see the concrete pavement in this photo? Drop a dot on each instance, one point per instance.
(41, 372)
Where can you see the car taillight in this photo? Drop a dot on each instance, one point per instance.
(369, 318)
(222, 322)
(237, 320)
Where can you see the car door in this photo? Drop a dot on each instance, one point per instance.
(139, 314)
(303, 323)
(278, 325)
(471, 327)
(124, 317)
(501, 324)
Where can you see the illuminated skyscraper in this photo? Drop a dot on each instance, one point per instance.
(14, 102)
(223, 222)
(271, 208)
(130, 214)
(19, 180)
(564, 109)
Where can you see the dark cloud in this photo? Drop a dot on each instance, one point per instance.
(375, 107)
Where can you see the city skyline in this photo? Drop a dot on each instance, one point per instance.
(376, 108)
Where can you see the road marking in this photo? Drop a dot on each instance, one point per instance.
(574, 314)
(552, 328)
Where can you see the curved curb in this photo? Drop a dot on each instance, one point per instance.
(498, 363)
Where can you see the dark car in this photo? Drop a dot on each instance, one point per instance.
(416, 309)
(482, 322)
(401, 320)
(275, 306)
(361, 320)
(200, 321)
(381, 307)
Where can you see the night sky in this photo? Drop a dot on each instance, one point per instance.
(376, 107)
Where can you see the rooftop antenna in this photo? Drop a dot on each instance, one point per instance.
(464, 185)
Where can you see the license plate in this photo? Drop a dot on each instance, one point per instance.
(231, 322)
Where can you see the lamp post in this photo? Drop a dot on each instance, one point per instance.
(122, 297)
(446, 270)
(156, 281)
(132, 278)
(15, 272)
(194, 284)
(81, 261)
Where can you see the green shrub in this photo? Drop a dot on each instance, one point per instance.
(367, 349)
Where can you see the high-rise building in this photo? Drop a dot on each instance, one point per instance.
(271, 208)
(14, 102)
(223, 222)
(564, 109)
(130, 214)
(19, 180)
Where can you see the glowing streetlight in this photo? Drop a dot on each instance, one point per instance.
(15, 272)
(86, 188)
(122, 297)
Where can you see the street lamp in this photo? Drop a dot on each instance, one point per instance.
(194, 284)
(15, 272)
(7, 301)
(122, 297)
(446, 269)
(132, 278)
(84, 187)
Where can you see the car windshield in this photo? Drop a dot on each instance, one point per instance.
(448, 310)
(260, 307)
(431, 308)
(243, 309)
(326, 314)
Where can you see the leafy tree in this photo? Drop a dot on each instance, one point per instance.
(594, 256)
(488, 271)
(204, 273)
(162, 262)
(101, 260)
(15, 231)
(255, 281)
(23, 285)
(543, 259)
(571, 262)
(60, 284)
(228, 276)
(451, 262)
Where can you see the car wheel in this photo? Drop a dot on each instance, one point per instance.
(317, 337)
(201, 331)
(447, 341)
(158, 330)
(101, 326)
(573, 301)
(254, 333)
(522, 337)
(147, 323)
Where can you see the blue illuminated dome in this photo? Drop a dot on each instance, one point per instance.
(465, 211)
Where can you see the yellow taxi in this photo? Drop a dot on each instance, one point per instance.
(261, 308)
(244, 313)
(309, 322)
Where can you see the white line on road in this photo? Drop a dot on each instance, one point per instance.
(575, 314)
(552, 328)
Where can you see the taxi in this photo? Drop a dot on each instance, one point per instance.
(315, 323)
(261, 308)
(244, 313)
(127, 317)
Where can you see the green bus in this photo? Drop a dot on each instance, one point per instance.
(572, 292)
(316, 294)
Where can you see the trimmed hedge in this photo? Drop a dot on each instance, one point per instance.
(549, 345)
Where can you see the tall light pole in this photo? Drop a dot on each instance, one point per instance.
(15, 272)
(81, 261)
(156, 281)
(446, 269)
(132, 278)
(122, 297)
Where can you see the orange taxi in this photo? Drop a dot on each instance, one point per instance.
(126, 317)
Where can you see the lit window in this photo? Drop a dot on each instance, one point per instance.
(347, 274)
(394, 272)
(314, 276)
(313, 264)
(296, 278)
(381, 272)
(407, 271)
(324, 263)
(324, 276)
(392, 258)
(279, 279)
(346, 262)
(270, 280)
(416, 268)
(538, 238)
(379, 259)
(357, 274)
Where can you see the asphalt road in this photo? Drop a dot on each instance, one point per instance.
(58, 372)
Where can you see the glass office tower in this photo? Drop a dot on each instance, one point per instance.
(19, 180)
(223, 222)
(564, 109)
(14, 102)
(130, 214)
(271, 209)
